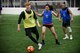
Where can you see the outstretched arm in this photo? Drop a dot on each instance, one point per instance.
(40, 15)
(55, 14)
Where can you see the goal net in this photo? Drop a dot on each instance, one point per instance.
(40, 5)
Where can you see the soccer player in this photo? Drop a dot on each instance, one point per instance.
(47, 23)
(29, 21)
(66, 17)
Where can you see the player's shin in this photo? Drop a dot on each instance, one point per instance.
(66, 36)
(70, 32)
(43, 37)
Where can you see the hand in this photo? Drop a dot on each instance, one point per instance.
(60, 20)
(39, 25)
(71, 19)
(36, 13)
(18, 29)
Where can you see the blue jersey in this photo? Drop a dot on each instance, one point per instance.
(65, 15)
(47, 17)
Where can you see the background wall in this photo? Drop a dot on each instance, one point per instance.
(19, 10)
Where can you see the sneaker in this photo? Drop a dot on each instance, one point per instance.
(71, 37)
(66, 38)
(40, 46)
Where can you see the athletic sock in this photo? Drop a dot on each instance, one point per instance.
(69, 28)
(43, 43)
(66, 35)
(57, 42)
(71, 37)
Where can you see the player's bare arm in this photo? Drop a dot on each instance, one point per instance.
(54, 14)
(70, 12)
(60, 19)
(40, 15)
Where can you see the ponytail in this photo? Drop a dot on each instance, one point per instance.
(51, 8)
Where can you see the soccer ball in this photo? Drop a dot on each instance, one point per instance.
(30, 49)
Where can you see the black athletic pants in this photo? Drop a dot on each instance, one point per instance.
(29, 32)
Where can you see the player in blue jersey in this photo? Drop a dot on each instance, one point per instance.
(66, 17)
(47, 22)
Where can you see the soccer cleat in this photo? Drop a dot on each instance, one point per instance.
(66, 38)
(40, 46)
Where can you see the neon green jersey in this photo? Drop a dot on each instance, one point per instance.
(29, 20)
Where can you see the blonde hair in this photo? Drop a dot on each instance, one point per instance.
(27, 3)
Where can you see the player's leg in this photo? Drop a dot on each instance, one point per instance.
(43, 34)
(70, 30)
(28, 33)
(64, 30)
(35, 31)
(54, 34)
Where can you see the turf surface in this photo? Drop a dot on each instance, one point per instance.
(12, 41)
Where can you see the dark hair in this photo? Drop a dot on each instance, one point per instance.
(50, 6)
(47, 5)
(64, 3)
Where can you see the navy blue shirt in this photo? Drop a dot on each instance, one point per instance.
(65, 14)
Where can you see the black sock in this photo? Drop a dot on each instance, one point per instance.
(57, 42)
(37, 37)
(43, 42)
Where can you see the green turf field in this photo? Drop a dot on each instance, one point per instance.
(12, 41)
